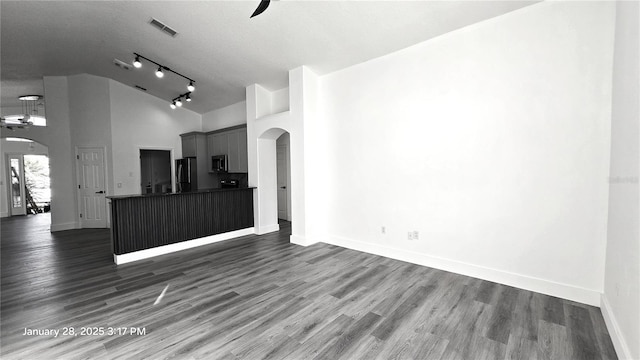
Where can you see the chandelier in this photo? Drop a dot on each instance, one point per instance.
(29, 115)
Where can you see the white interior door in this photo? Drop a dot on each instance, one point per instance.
(17, 199)
(283, 192)
(91, 187)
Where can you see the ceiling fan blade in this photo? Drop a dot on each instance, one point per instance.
(264, 4)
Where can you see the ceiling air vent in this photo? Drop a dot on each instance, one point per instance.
(163, 27)
(140, 88)
(121, 64)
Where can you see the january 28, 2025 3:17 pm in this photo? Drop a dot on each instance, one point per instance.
(86, 331)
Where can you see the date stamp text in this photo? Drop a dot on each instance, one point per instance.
(86, 331)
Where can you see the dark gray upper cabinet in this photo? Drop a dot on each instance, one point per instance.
(231, 142)
(189, 145)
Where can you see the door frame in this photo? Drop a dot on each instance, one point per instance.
(173, 164)
(287, 179)
(106, 185)
(10, 208)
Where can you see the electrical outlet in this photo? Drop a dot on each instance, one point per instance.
(416, 235)
(383, 230)
(409, 235)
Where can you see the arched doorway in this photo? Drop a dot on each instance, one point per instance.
(25, 186)
(273, 203)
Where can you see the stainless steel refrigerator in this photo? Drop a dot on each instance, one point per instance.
(186, 175)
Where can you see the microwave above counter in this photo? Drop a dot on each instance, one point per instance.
(219, 163)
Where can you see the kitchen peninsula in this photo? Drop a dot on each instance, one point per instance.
(143, 226)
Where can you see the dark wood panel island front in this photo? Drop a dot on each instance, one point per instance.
(142, 223)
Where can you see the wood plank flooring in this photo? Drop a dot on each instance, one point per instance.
(260, 297)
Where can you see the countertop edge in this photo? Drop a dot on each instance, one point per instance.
(206, 191)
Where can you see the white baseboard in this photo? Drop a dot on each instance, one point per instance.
(619, 343)
(64, 226)
(166, 249)
(543, 286)
(261, 230)
(4, 214)
(302, 241)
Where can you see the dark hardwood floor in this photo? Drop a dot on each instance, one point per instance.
(260, 297)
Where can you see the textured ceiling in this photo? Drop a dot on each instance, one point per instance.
(217, 44)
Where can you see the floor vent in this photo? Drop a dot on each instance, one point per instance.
(163, 27)
(121, 64)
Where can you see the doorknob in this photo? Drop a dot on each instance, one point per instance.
(283, 187)
(100, 192)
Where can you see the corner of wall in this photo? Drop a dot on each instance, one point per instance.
(64, 226)
(617, 336)
(621, 299)
(565, 291)
(61, 153)
(302, 241)
(266, 229)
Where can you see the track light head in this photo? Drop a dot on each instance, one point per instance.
(159, 73)
(173, 105)
(191, 87)
(136, 63)
(187, 97)
(178, 103)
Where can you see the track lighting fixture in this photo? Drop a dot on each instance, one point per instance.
(176, 102)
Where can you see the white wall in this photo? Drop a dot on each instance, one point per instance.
(263, 128)
(492, 141)
(57, 136)
(23, 147)
(262, 133)
(621, 299)
(232, 115)
(304, 102)
(280, 101)
(90, 122)
(141, 121)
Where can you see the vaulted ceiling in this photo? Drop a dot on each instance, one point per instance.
(217, 45)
